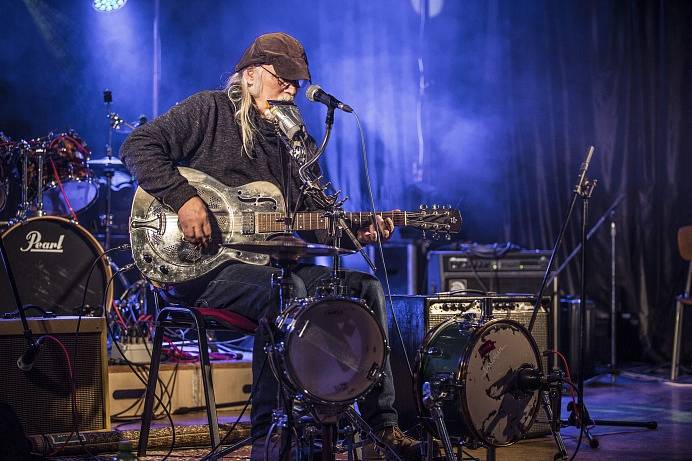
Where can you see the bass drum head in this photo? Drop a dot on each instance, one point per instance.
(335, 350)
(50, 258)
(493, 408)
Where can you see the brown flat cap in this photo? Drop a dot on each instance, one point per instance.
(281, 50)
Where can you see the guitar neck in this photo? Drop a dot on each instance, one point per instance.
(273, 222)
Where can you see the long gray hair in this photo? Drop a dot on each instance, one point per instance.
(240, 94)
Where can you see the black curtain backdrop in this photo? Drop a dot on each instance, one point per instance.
(487, 105)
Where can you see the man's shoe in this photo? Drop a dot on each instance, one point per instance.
(407, 448)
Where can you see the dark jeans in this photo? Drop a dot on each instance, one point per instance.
(247, 290)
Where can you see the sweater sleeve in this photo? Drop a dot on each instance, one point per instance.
(152, 151)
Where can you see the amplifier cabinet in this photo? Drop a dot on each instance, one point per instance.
(41, 398)
(515, 272)
(416, 315)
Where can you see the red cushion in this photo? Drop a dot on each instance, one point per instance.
(685, 300)
(229, 318)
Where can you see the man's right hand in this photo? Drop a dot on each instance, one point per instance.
(193, 220)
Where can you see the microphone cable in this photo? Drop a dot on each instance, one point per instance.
(373, 212)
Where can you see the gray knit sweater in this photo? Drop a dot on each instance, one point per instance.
(201, 133)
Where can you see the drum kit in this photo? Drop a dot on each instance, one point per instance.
(56, 205)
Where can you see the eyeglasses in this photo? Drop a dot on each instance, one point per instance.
(283, 82)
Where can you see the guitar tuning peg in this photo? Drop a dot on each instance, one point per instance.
(435, 207)
(448, 236)
(423, 207)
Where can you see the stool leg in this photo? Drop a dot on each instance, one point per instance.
(208, 384)
(151, 390)
(677, 338)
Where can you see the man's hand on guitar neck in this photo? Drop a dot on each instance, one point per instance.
(367, 235)
(193, 220)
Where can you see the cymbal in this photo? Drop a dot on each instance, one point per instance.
(287, 247)
(105, 161)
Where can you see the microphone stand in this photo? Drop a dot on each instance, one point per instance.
(579, 415)
(28, 335)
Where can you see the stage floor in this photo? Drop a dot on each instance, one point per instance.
(631, 397)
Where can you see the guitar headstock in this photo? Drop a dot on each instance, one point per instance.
(441, 221)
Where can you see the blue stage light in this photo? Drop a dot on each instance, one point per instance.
(106, 6)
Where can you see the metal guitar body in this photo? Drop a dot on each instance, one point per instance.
(158, 245)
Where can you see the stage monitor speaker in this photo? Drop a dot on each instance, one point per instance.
(416, 315)
(597, 336)
(41, 397)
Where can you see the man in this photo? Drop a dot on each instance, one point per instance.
(225, 134)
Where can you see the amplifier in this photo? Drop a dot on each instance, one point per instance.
(41, 398)
(518, 271)
(416, 315)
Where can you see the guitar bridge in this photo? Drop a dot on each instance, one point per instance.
(156, 223)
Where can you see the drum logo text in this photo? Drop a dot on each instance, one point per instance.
(34, 243)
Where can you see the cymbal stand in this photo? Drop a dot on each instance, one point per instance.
(39, 186)
(23, 208)
(107, 220)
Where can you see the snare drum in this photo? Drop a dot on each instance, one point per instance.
(331, 350)
(50, 258)
(476, 364)
(66, 180)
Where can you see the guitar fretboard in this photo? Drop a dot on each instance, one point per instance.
(273, 222)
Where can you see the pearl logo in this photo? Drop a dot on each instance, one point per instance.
(36, 245)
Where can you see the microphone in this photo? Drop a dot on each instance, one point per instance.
(287, 117)
(315, 94)
(26, 361)
(529, 379)
(585, 166)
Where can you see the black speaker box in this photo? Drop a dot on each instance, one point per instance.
(41, 398)
(514, 272)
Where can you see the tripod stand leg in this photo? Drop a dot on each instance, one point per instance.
(593, 441)
(365, 428)
(554, 427)
(610, 422)
(438, 418)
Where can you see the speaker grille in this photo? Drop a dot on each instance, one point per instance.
(41, 398)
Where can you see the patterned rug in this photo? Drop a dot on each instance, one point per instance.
(194, 438)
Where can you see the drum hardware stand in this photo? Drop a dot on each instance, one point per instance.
(288, 122)
(548, 395)
(23, 208)
(432, 395)
(107, 220)
(39, 187)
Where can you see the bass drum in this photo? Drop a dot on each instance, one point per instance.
(332, 349)
(50, 258)
(477, 364)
